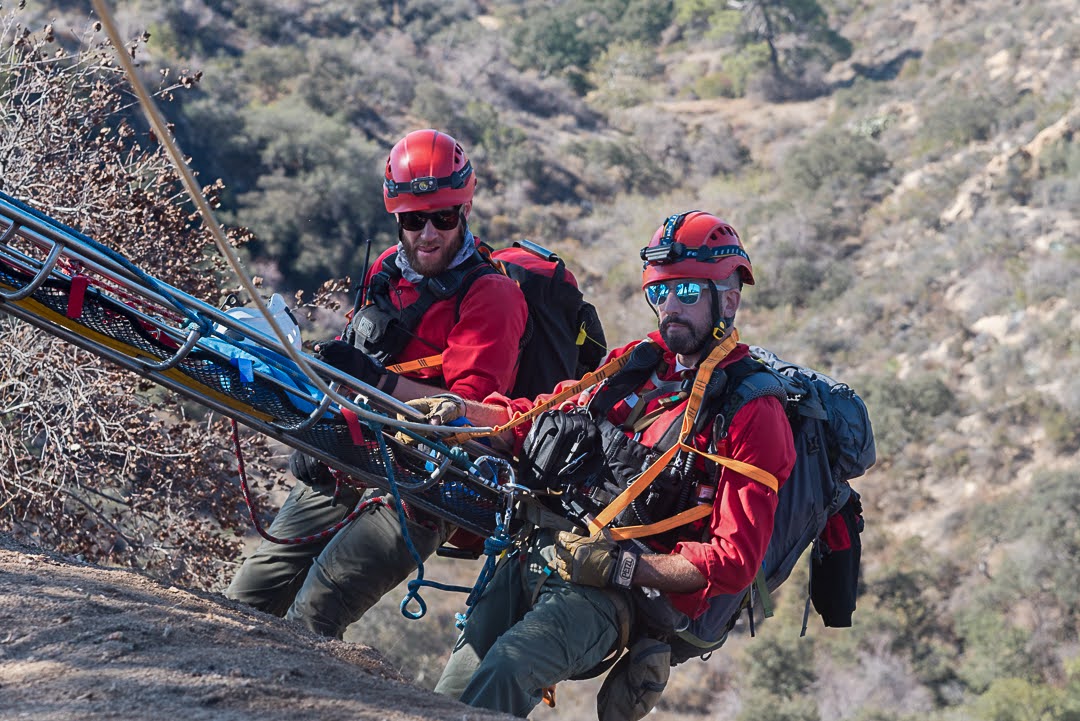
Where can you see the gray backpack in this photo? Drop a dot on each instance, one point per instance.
(834, 443)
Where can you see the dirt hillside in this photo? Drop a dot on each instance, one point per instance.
(84, 642)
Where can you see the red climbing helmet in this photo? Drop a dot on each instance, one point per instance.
(427, 170)
(695, 245)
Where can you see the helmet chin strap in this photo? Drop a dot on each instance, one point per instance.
(722, 327)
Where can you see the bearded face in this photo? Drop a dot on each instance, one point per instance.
(430, 250)
(686, 336)
(430, 255)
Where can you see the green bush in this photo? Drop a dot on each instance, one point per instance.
(1062, 429)
(958, 120)
(993, 648)
(1017, 699)
(749, 62)
(946, 52)
(763, 705)
(1061, 158)
(622, 75)
(567, 38)
(908, 597)
(782, 665)
(907, 411)
(715, 85)
(835, 159)
(612, 167)
(319, 195)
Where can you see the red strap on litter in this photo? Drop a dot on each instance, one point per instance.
(352, 421)
(75, 297)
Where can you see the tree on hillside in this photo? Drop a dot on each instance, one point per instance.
(566, 38)
(94, 461)
(794, 37)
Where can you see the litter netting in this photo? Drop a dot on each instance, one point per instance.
(71, 286)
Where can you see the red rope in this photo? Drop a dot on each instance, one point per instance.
(321, 535)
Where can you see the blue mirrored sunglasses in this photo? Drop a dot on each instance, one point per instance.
(687, 292)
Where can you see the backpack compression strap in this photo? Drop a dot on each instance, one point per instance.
(693, 405)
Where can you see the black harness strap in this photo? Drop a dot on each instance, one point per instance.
(382, 330)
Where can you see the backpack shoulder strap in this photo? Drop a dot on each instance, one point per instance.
(478, 265)
(454, 282)
(730, 389)
(749, 380)
(378, 291)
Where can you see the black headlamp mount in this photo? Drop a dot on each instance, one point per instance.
(664, 254)
(429, 183)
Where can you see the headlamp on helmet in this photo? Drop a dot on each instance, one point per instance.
(427, 170)
(663, 254)
(429, 183)
(695, 245)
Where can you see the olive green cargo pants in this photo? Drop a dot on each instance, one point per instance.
(330, 584)
(511, 649)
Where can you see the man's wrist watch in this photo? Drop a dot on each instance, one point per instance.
(388, 382)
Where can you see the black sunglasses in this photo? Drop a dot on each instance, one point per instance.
(415, 220)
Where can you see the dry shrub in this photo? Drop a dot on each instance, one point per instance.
(94, 461)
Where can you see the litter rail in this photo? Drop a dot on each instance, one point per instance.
(71, 286)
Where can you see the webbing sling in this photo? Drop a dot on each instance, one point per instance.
(588, 381)
(693, 405)
(431, 361)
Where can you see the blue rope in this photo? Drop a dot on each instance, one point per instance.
(494, 546)
(419, 582)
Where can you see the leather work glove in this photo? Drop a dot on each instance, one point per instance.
(438, 410)
(349, 359)
(597, 560)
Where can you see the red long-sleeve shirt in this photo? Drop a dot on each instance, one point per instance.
(479, 339)
(741, 523)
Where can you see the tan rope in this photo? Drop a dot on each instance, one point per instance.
(157, 122)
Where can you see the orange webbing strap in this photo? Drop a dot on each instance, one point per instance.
(693, 405)
(432, 361)
(588, 381)
(690, 515)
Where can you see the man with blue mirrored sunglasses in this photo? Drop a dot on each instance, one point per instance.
(570, 600)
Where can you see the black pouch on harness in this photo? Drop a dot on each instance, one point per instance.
(562, 450)
(379, 333)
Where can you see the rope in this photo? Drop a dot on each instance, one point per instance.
(375, 420)
(419, 582)
(298, 540)
(165, 137)
(494, 546)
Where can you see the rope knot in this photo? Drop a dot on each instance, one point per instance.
(497, 544)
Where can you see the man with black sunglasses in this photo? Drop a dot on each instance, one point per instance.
(437, 317)
(697, 532)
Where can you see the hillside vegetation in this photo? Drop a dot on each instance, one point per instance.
(906, 178)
